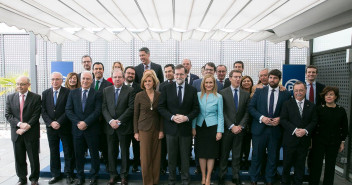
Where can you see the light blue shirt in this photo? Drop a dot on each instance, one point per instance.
(211, 110)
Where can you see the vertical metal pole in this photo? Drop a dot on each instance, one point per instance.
(177, 45)
(58, 52)
(287, 52)
(265, 53)
(310, 54)
(33, 65)
(3, 72)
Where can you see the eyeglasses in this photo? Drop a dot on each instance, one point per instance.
(55, 79)
(21, 84)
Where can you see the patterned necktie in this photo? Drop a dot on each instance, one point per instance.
(235, 99)
(300, 108)
(84, 99)
(116, 96)
(55, 97)
(21, 107)
(179, 95)
(271, 104)
(311, 93)
(97, 85)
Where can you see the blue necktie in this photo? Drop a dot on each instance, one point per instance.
(84, 99)
(179, 95)
(55, 97)
(271, 104)
(116, 96)
(235, 99)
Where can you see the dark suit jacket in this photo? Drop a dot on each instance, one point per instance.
(122, 112)
(193, 77)
(196, 84)
(319, 89)
(103, 84)
(290, 119)
(156, 67)
(227, 83)
(144, 118)
(258, 107)
(230, 115)
(162, 85)
(30, 115)
(169, 106)
(90, 114)
(136, 87)
(57, 113)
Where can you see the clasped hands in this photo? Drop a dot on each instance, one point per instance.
(55, 125)
(23, 128)
(271, 121)
(82, 125)
(178, 118)
(300, 132)
(115, 123)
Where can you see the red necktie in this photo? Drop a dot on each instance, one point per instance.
(311, 93)
(21, 107)
(146, 67)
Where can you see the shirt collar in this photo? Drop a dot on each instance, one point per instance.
(183, 85)
(100, 80)
(118, 87)
(276, 89)
(57, 90)
(299, 101)
(232, 88)
(86, 89)
(126, 83)
(25, 94)
(312, 83)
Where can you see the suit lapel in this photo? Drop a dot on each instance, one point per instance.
(306, 108)
(123, 89)
(279, 99)
(28, 99)
(241, 101)
(51, 96)
(230, 95)
(265, 95)
(17, 102)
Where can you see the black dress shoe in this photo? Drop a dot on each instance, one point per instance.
(21, 183)
(124, 181)
(236, 181)
(93, 182)
(253, 183)
(79, 182)
(34, 183)
(54, 180)
(134, 169)
(221, 181)
(69, 180)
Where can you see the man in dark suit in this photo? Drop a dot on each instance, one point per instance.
(129, 81)
(236, 117)
(83, 108)
(99, 83)
(190, 76)
(118, 112)
(23, 112)
(298, 118)
(221, 71)
(144, 55)
(265, 108)
(314, 88)
(210, 68)
(87, 64)
(238, 65)
(178, 118)
(58, 128)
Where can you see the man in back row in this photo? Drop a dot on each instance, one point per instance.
(144, 56)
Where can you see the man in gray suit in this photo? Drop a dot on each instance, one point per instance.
(236, 117)
(118, 112)
(23, 112)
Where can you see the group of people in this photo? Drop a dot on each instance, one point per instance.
(163, 118)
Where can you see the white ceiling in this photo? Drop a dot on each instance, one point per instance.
(256, 20)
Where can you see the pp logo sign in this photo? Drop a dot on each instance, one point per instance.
(289, 84)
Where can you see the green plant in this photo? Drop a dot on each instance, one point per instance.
(9, 84)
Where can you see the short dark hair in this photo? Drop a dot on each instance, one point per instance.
(98, 63)
(170, 65)
(328, 89)
(275, 72)
(180, 66)
(129, 67)
(298, 83)
(145, 49)
(211, 64)
(84, 56)
(238, 62)
(234, 71)
(312, 66)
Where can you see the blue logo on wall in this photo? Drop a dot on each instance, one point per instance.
(63, 67)
(291, 74)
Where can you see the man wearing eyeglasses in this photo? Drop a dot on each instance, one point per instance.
(87, 64)
(23, 112)
(210, 68)
(58, 128)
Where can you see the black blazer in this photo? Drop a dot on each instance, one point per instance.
(193, 77)
(319, 100)
(227, 83)
(140, 69)
(90, 114)
(103, 84)
(136, 87)
(31, 115)
(169, 106)
(57, 113)
(123, 111)
(290, 119)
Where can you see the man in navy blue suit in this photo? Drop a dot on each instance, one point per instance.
(190, 77)
(210, 68)
(265, 108)
(83, 108)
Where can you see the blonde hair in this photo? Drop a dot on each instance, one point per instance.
(153, 76)
(202, 85)
(117, 62)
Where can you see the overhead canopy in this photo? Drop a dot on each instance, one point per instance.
(256, 20)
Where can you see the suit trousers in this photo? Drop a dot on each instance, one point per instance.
(296, 157)
(178, 145)
(20, 148)
(266, 141)
(54, 146)
(136, 152)
(114, 141)
(319, 152)
(150, 148)
(230, 142)
(80, 143)
(163, 162)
